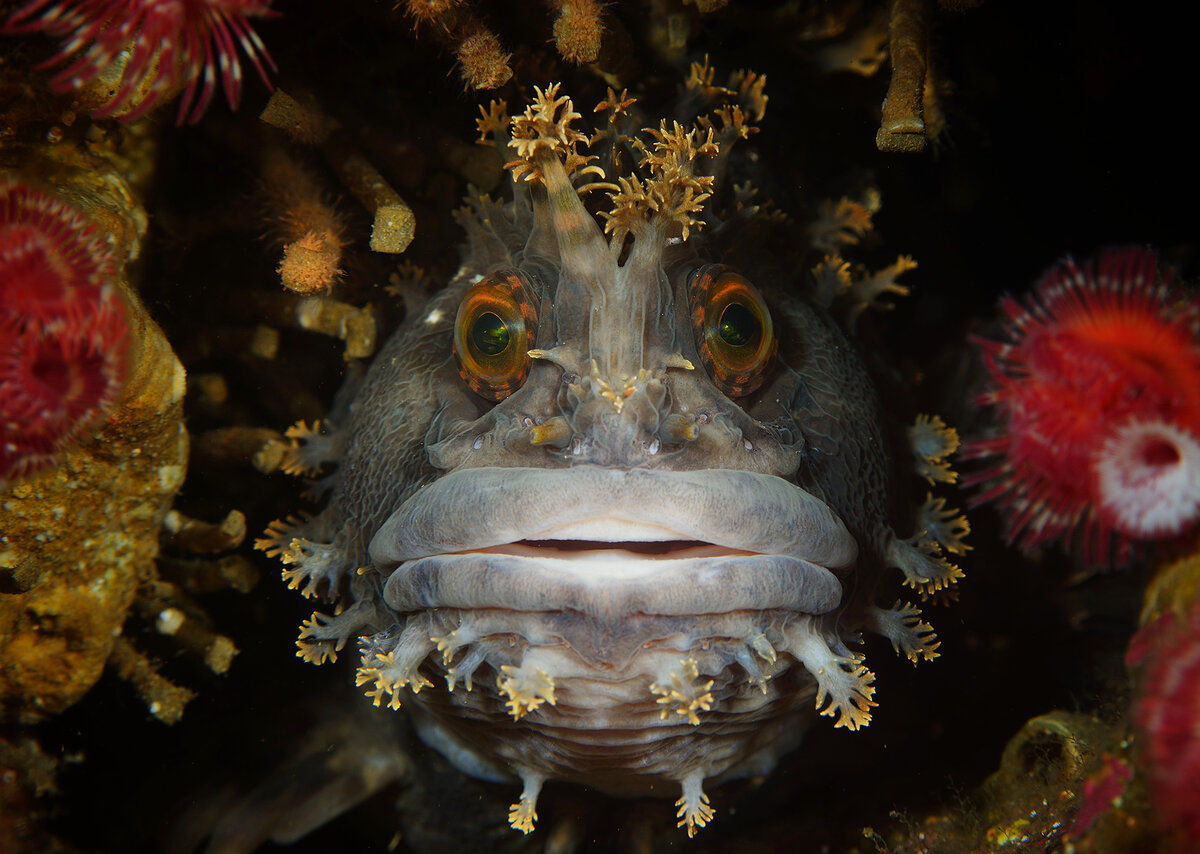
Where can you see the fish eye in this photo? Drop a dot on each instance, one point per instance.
(734, 336)
(738, 327)
(490, 335)
(493, 332)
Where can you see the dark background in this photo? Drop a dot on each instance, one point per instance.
(1068, 131)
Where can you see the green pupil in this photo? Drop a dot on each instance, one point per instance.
(738, 326)
(489, 334)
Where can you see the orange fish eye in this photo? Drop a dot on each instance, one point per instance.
(734, 336)
(494, 330)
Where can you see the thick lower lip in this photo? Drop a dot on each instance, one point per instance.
(609, 543)
(613, 583)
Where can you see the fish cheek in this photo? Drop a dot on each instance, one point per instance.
(459, 417)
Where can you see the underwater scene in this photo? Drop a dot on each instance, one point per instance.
(579, 426)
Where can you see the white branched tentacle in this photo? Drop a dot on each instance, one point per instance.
(903, 626)
(842, 679)
(390, 664)
(526, 686)
(684, 692)
(694, 811)
(523, 814)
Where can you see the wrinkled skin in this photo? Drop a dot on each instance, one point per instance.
(623, 572)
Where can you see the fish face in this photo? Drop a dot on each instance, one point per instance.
(603, 605)
(607, 511)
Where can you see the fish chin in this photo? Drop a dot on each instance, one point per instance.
(636, 618)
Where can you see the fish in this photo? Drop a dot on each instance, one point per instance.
(607, 508)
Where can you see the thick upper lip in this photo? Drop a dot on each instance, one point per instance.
(612, 542)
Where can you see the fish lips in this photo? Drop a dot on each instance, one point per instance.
(612, 542)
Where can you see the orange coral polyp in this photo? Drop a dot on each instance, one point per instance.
(578, 30)
(311, 264)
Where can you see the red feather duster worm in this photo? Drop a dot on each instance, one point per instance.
(165, 45)
(1167, 716)
(62, 328)
(1096, 391)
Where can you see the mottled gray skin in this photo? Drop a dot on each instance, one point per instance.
(639, 689)
(817, 422)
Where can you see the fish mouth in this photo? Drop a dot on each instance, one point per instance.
(612, 542)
